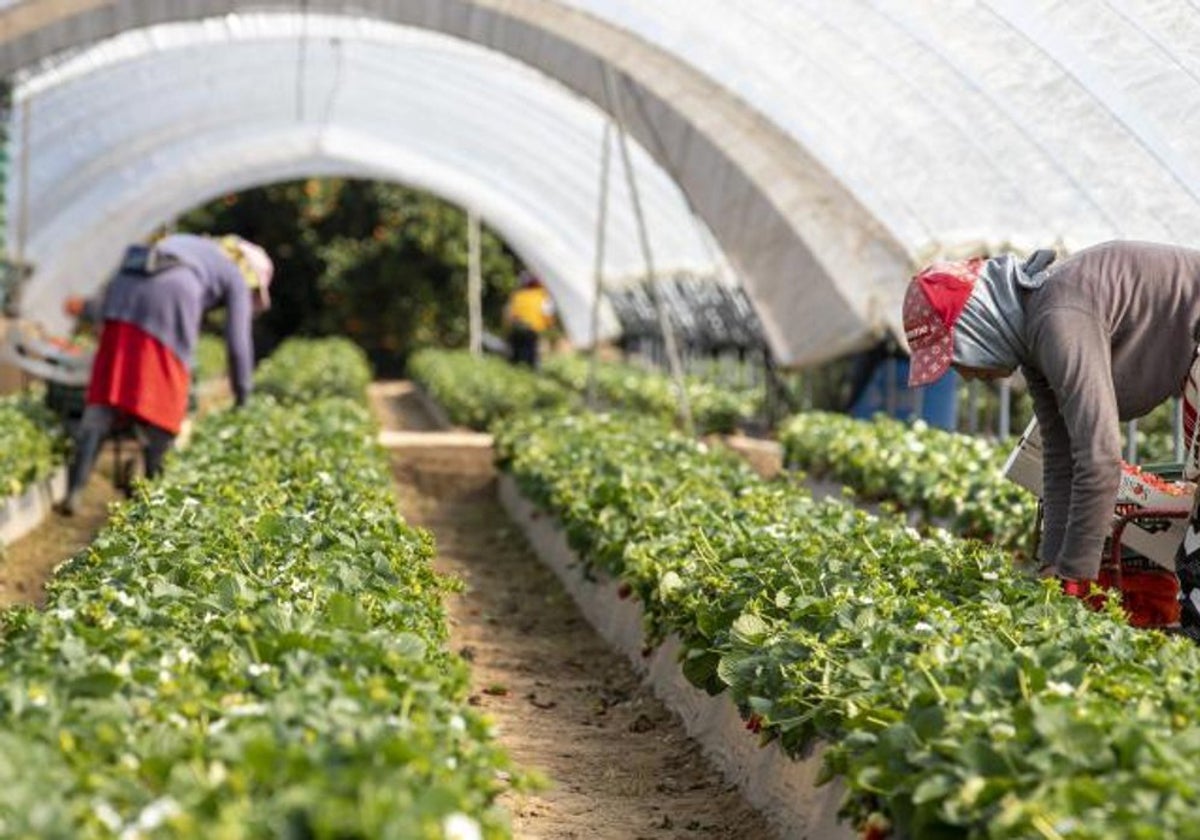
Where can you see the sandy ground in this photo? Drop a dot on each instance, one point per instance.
(28, 563)
(619, 763)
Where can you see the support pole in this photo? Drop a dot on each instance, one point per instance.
(23, 188)
(1131, 447)
(1177, 428)
(474, 285)
(598, 266)
(668, 333)
(1005, 429)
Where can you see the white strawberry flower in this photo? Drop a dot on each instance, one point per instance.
(461, 827)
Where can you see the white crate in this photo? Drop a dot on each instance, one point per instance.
(1156, 539)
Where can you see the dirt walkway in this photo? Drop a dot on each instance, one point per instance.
(620, 765)
(27, 564)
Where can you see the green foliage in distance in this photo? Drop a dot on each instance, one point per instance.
(32, 442)
(476, 392)
(380, 263)
(303, 369)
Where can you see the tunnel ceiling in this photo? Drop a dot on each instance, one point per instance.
(828, 147)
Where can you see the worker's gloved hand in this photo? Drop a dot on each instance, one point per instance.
(74, 305)
(1091, 592)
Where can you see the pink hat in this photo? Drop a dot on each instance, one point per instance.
(936, 297)
(255, 264)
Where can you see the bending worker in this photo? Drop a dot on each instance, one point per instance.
(1102, 336)
(529, 313)
(151, 316)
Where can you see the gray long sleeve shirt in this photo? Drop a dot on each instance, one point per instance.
(1112, 334)
(170, 304)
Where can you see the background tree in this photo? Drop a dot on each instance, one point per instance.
(381, 263)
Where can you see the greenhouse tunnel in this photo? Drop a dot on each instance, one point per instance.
(410, 556)
(853, 142)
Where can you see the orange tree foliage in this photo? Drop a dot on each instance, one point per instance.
(380, 263)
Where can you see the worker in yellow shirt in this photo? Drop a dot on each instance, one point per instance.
(528, 314)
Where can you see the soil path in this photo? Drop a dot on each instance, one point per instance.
(27, 564)
(620, 765)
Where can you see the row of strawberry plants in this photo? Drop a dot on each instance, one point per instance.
(715, 408)
(951, 478)
(475, 391)
(32, 442)
(301, 369)
(253, 647)
(945, 477)
(956, 696)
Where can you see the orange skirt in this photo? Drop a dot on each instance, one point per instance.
(137, 374)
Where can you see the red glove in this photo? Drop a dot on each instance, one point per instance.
(1082, 589)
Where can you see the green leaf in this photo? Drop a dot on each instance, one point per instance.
(749, 629)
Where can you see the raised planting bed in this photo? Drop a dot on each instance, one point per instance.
(254, 646)
(937, 477)
(784, 789)
(303, 369)
(476, 391)
(33, 449)
(25, 511)
(951, 695)
(716, 409)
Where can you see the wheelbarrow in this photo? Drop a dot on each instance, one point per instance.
(64, 366)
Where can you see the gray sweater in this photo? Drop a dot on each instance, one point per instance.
(1112, 334)
(170, 304)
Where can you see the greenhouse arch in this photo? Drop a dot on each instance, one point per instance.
(853, 142)
(736, 171)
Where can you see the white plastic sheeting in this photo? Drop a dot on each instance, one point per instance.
(129, 133)
(831, 147)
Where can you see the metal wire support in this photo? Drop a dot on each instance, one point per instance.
(474, 285)
(1004, 432)
(23, 190)
(1177, 429)
(302, 63)
(612, 94)
(598, 289)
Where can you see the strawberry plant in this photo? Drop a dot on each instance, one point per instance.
(32, 442)
(476, 391)
(953, 479)
(302, 369)
(715, 409)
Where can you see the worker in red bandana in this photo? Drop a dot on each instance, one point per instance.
(1102, 336)
(151, 314)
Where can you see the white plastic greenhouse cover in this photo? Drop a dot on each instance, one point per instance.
(830, 147)
(376, 101)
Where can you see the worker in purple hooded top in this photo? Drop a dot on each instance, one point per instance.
(1102, 336)
(151, 314)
